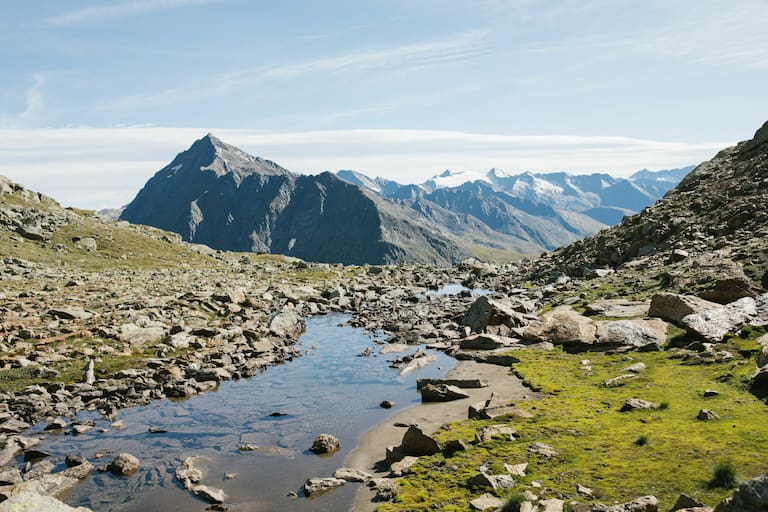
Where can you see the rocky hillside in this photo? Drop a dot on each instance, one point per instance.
(720, 211)
(218, 195)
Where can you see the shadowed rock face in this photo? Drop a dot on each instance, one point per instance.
(220, 196)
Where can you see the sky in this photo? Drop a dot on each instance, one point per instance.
(97, 96)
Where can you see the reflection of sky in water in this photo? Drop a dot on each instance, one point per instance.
(329, 390)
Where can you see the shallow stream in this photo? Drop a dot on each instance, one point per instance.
(328, 390)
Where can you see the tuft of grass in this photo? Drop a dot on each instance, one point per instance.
(663, 406)
(512, 504)
(723, 476)
(641, 440)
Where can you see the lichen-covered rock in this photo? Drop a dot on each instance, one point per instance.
(751, 496)
(123, 464)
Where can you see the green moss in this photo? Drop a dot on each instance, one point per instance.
(597, 443)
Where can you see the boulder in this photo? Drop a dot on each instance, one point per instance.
(751, 496)
(686, 502)
(486, 342)
(325, 443)
(495, 407)
(618, 308)
(441, 393)
(87, 243)
(728, 290)
(31, 501)
(494, 482)
(707, 320)
(459, 383)
(642, 504)
(562, 326)
(707, 415)
(486, 313)
(386, 489)
(352, 475)
(316, 486)
(138, 334)
(634, 404)
(486, 502)
(633, 333)
(552, 505)
(759, 383)
(123, 464)
(403, 467)
(416, 443)
(286, 323)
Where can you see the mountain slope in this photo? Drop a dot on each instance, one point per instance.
(722, 206)
(218, 195)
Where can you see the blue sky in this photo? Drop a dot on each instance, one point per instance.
(98, 95)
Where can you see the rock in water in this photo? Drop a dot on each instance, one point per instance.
(316, 486)
(123, 464)
(325, 443)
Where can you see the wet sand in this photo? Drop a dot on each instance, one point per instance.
(372, 445)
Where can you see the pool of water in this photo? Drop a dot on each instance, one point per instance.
(454, 289)
(329, 390)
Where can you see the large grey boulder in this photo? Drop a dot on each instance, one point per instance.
(123, 464)
(707, 320)
(29, 501)
(286, 323)
(562, 326)
(325, 443)
(633, 333)
(642, 504)
(486, 315)
(751, 496)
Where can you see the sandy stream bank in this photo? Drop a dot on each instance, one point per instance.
(430, 416)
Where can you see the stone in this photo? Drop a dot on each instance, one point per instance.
(634, 404)
(325, 443)
(188, 472)
(387, 404)
(584, 491)
(686, 502)
(759, 383)
(486, 312)
(10, 476)
(490, 432)
(635, 368)
(453, 446)
(642, 504)
(459, 383)
(633, 333)
(441, 393)
(89, 377)
(352, 475)
(209, 494)
(707, 415)
(483, 479)
(619, 380)
(486, 502)
(403, 467)
(316, 486)
(87, 244)
(542, 449)
(562, 326)
(707, 320)
(416, 443)
(123, 464)
(32, 501)
(516, 469)
(618, 308)
(551, 505)
(728, 290)
(69, 313)
(750, 496)
(386, 489)
(486, 342)
(286, 323)
(678, 255)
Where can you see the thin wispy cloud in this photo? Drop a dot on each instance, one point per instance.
(122, 9)
(34, 105)
(444, 50)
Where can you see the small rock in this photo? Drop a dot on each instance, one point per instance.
(387, 404)
(516, 469)
(543, 450)
(316, 486)
(634, 404)
(352, 475)
(123, 464)
(707, 415)
(325, 443)
(210, 494)
(486, 502)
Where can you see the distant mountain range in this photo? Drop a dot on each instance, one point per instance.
(221, 196)
(600, 196)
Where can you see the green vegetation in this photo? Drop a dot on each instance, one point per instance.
(599, 446)
(513, 503)
(724, 476)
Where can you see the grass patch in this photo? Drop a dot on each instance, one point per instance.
(723, 476)
(599, 446)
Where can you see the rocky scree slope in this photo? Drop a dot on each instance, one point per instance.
(721, 207)
(220, 196)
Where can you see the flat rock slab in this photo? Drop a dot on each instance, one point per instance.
(459, 383)
(486, 502)
(317, 486)
(619, 308)
(31, 501)
(441, 393)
